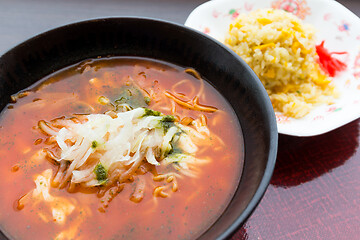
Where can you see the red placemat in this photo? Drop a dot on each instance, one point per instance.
(315, 190)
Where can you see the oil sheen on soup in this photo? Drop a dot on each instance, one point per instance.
(117, 148)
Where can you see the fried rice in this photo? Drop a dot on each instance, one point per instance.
(282, 52)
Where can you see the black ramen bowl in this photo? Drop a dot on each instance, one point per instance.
(53, 50)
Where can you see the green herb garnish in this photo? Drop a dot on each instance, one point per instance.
(168, 118)
(132, 96)
(149, 112)
(94, 144)
(167, 122)
(175, 149)
(101, 173)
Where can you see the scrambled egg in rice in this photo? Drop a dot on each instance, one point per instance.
(282, 52)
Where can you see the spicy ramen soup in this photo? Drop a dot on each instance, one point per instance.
(117, 148)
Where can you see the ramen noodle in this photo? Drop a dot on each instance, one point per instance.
(117, 148)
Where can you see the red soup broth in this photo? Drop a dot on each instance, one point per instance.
(184, 214)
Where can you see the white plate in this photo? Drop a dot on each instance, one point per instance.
(335, 24)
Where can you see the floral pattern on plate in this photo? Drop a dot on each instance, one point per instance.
(335, 24)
